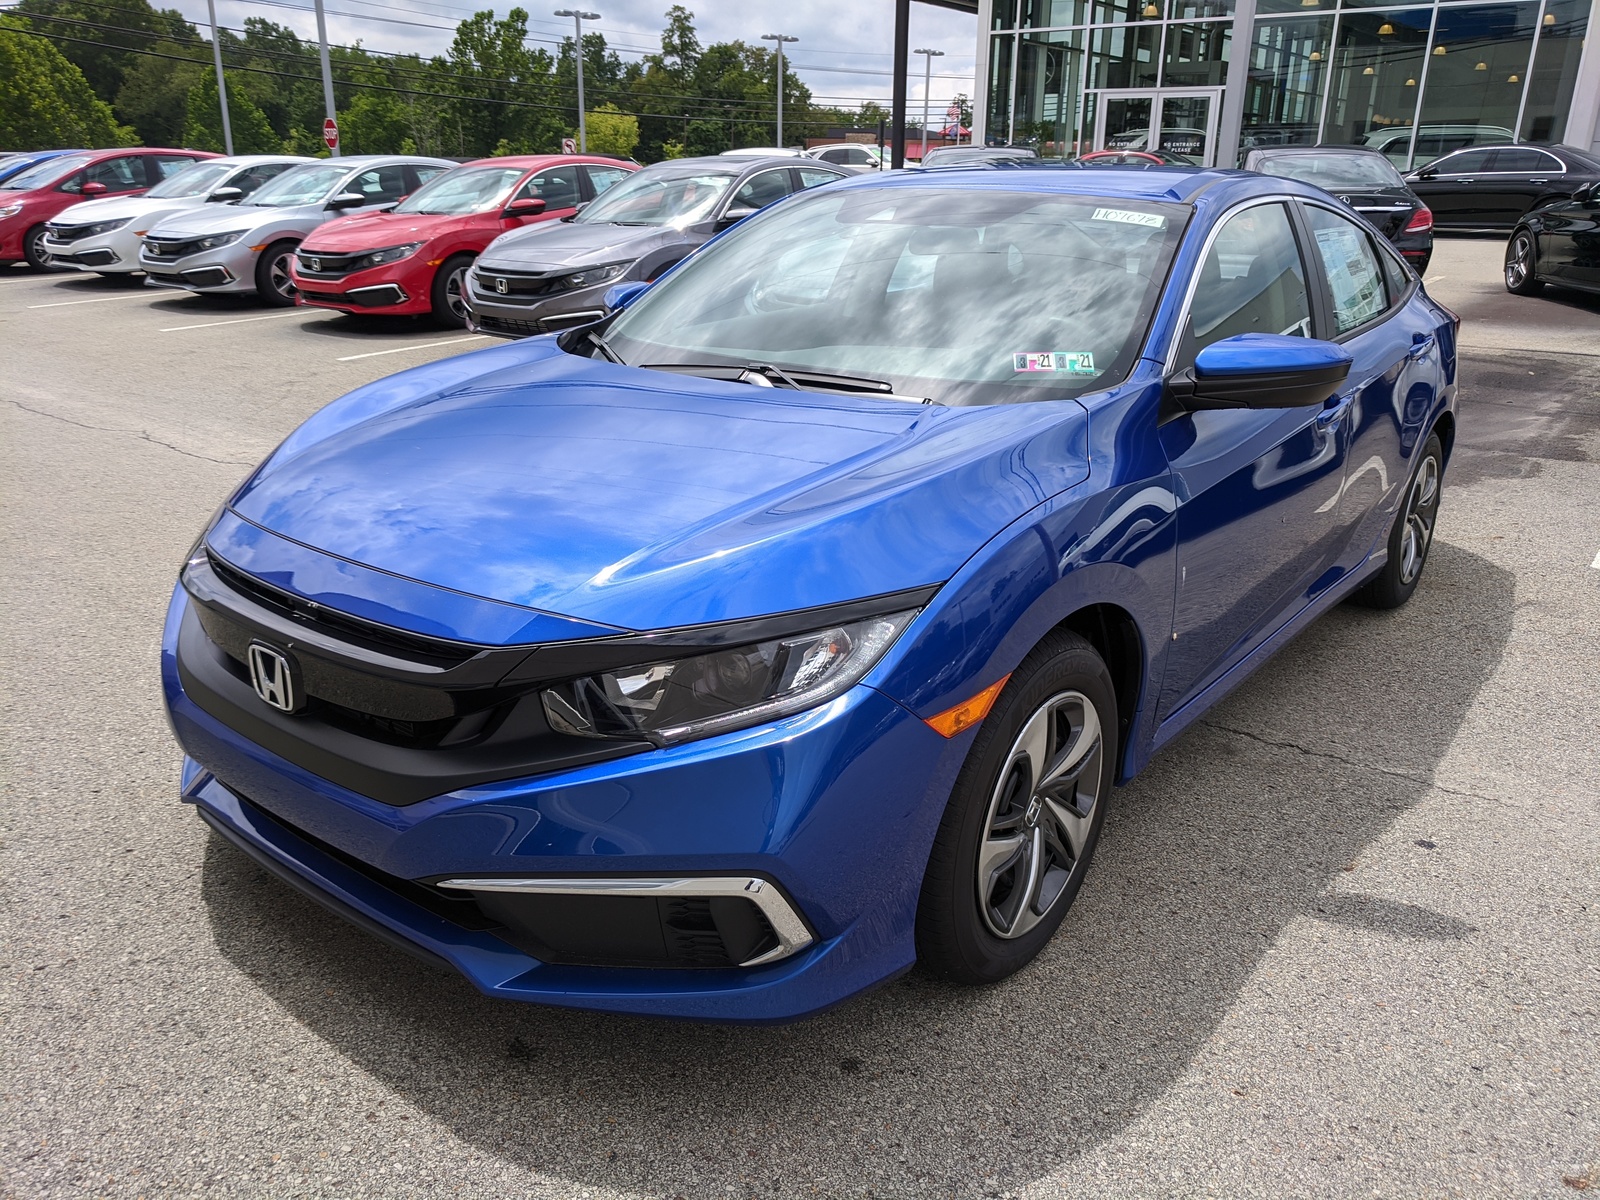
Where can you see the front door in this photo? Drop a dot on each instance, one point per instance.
(1177, 120)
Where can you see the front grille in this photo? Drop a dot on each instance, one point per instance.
(493, 324)
(68, 233)
(327, 266)
(522, 287)
(170, 249)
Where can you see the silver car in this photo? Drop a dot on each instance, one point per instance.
(104, 235)
(247, 247)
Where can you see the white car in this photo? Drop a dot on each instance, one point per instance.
(856, 157)
(247, 247)
(104, 235)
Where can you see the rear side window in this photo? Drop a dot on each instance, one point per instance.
(600, 178)
(810, 177)
(165, 167)
(761, 190)
(1252, 281)
(425, 172)
(841, 155)
(248, 181)
(1350, 264)
(1525, 161)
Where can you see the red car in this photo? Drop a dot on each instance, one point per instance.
(413, 258)
(32, 198)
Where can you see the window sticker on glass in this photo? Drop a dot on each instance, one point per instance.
(1128, 217)
(1070, 362)
(1357, 287)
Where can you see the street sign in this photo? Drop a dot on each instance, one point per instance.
(330, 133)
(569, 145)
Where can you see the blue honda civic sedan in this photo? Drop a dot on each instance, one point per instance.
(795, 623)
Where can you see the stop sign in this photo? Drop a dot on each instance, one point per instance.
(330, 133)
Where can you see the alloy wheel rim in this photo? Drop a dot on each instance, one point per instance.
(452, 294)
(278, 275)
(42, 256)
(1421, 508)
(1518, 266)
(1036, 829)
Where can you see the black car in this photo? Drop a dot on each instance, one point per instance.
(1491, 187)
(556, 275)
(1558, 243)
(1363, 179)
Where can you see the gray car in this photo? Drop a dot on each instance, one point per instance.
(556, 275)
(246, 247)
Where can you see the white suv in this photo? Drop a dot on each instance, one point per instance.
(852, 156)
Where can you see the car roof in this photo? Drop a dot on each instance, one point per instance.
(528, 161)
(737, 164)
(1159, 184)
(1283, 151)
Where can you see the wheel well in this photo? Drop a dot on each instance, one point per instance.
(1445, 427)
(1115, 637)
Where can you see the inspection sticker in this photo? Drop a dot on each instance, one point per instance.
(1072, 363)
(1152, 220)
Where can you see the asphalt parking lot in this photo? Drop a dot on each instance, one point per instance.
(1343, 938)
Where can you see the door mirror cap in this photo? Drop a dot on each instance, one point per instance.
(735, 214)
(528, 206)
(623, 294)
(1589, 194)
(1261, 370)
(92, 189)
(225, 195)
(1428, 173)
(347, 200)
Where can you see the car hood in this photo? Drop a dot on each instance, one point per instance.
(117, 208)
(371, 231)
(558, 244)
(217, 218)
(645, 500)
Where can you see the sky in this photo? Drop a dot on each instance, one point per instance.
(844, 53)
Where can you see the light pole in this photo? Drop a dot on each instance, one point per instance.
(780, 38)
(578, 18)
(327, 76)
(222, 86)
(927, 81)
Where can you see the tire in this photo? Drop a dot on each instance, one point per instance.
(446, 295)
(1008, 862)
(273, 283)
(1411, 535)
(38, 258)
(1520, 265)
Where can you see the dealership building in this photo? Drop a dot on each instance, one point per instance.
(1210, 78)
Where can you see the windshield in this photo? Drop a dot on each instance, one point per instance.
(672, 197)
(192, 181)
(46, 172)
(462, 191)
(301, 185)
(1330, 171)
(963, 297)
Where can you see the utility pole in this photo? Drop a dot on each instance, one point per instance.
(927, 81)
(327, 76)
(222, 84)
(578, 18)
(897, 102)
(780, 38)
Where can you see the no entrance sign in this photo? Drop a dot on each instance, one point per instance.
(330, 133)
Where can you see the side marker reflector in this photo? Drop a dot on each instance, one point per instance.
(969, 712)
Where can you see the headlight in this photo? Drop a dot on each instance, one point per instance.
(393, 254)
(105, 227)
(215, 241)
(596, 275)
(688, 698)
(10, 210)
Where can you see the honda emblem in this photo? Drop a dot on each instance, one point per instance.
(502, 286)
(316, 264)
(273, 677)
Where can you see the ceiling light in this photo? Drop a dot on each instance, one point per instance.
(1316, 56)
(1439, 51)
(1483, 66)
(1514, 79)
(1369, 71)
(1411, 83)
(1549, 18)
(1385, 30)
(1150, 10)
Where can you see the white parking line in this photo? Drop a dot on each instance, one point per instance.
(1596, 563)
(1435, 278)
(233, 321)
(141, 295)
(471, 337)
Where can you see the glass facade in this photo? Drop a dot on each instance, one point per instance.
(1412, 81)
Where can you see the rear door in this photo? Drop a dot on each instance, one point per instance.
(1518, 177)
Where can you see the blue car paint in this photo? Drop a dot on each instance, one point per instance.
(22, 162)
(1215, 526)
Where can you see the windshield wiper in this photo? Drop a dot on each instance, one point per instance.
(798, 379)
(600, 344)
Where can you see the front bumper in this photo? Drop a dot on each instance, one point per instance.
(108, 253)
(229, 268)
(380, 290)
(509, 319)
(834, 809)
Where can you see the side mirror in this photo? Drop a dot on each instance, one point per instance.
(347, 200)
(528, 206)
(92, 189)
(225, 195)
(1261, 370)
(735, 214)
(1428, 173)
(624, 294)
(1588, 195)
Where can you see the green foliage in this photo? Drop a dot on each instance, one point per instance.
(671, 150)
(611, 131)
(134, 24)
(154, 96)
(45, 101)
(373, 123)
(705, 137)
(202, 130)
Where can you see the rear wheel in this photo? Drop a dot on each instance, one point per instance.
(274, 284)
(449, 286)
(1411, 536)
(1023, 819)
(39, 259)
(1520, 279)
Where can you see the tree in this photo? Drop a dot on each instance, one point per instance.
(202, 130)
(680, 45)
(374, 123)
(119, 26)
(45, 101)
(611, 131)
(154, 97)
(705, 137)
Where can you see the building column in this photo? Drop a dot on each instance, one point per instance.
(1583, 117)
(980, 76)
(1231, 125)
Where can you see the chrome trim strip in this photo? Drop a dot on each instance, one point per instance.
(793, 936)
(1223, 218)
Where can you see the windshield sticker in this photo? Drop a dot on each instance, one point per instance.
(1069, 362)
(1126, 217)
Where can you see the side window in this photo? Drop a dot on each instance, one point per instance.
(116, 173)
(810, 177)
(838, 155)
(166, 166)
(557, 187)
(1355, 280)
(600, 178)
(248, 181)
(761, 190)
(381, 185)
(422, 173)
(1395, 275)
(1252, 281)
(1465, 163)
(859, 157)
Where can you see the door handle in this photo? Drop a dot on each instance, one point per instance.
(1333, 412)
(1421, 343)
(1538, 181)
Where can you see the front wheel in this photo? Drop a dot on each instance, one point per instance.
(1520, 278)
(274, 284)
(1411, 535)
(39, 259)
(1023, 819)
(449, 286)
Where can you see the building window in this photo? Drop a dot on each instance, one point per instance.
(1555, 70)
(1283, 90)
(1378, 61)
(1050, 81)
(1469, 98)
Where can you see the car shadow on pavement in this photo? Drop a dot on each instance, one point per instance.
(1246, 825)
